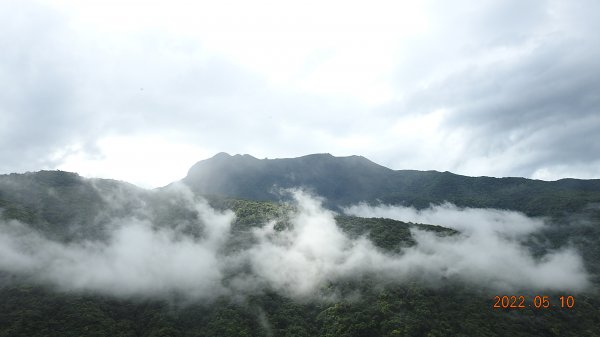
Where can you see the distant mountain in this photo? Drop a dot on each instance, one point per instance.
(342, 180)
(347, 180)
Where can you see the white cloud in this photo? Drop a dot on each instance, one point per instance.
(137, 157)
(141, 258)
(488, 251)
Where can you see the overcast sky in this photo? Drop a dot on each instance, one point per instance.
(141, 90)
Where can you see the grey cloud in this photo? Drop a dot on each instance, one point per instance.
(37, 85)
(534, 108)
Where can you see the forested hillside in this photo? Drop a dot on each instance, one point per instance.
(347, 180)
(69, 212)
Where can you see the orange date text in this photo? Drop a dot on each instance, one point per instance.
(537, 302)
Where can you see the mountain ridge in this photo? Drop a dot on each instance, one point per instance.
(73, 211)
(347, 180)
(343, 181)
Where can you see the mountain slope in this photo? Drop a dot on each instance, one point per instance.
(52, 201)
(347, 180)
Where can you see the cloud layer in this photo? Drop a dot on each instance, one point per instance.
(140, 93)
(139, 258)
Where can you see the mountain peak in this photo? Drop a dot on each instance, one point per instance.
(335, 178)
(221, 155)
(319, 155)
(225, 155)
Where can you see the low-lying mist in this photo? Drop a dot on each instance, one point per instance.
(139, 258)
(489, 251)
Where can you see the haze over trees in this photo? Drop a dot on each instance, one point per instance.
(316, 245)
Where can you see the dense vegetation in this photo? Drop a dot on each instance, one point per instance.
(408, 310)
(58, 203)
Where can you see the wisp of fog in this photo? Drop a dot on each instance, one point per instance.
(138, 258)
(489, 250)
